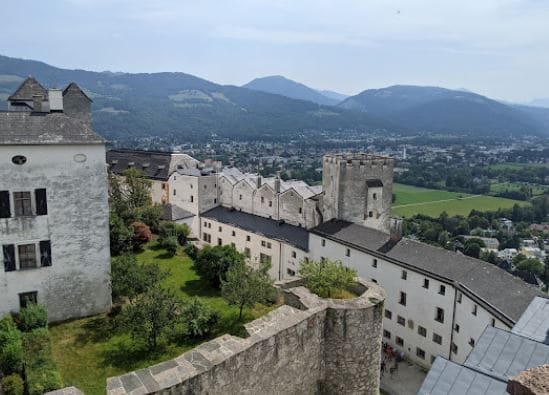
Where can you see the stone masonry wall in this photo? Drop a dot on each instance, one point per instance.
(318, 346)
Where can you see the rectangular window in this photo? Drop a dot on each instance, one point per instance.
(421, 331)
(192, 199)
(248, 238)
(174, 192)
(247, 252)
(323, 243)
(475, 308)
(459, 297)
(27, 298)
(269, 245)
(5, 210)
(426, 283)
(240, 197)
(437, 338)
(402, 299)
(262, 200)
(207, 237)
(219, 242)
(205, 224)
(472, 342)
(442, 290)
(27, 256)
(294, 254)
(41, 201)
(270, 203)
(388, 314)
(348, 252)
(45, 253)
(439, 316)
(264, 258)
(493, 322)
(9, 257)
(386, 334)
(401, 320)
(404, 275)
(290, 272)
(233, 233)
(454, 348)
(220, 229)
(456, 328)
(22, 203)
(263, 243)
(374, 263)
(300, 210)
(209, 225)
(399, 341)
(420, 353)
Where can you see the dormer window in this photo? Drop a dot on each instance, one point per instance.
(131, 163)
(145, 165)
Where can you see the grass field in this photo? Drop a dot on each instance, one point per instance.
(412, 200)
(89, 350)
(498, 187)
(516, 166)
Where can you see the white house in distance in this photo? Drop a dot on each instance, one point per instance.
(438, 302)
(54, 227)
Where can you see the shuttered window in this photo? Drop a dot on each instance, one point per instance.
(5, 211)
(41, 201)
(27, 256)
(22, 203)
(9, 257)
(45, 253)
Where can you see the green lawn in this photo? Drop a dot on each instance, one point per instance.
(89, 350)
(412, 200)
(408, 194)
(516, 166)
(498, 187)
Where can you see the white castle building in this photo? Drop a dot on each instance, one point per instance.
(54, 227)
(438, 302)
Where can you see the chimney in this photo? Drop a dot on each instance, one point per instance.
(37, 103)
(395, 230)
(277, 183)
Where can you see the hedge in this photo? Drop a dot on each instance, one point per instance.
(11, 347)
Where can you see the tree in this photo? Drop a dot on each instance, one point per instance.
(245, 286)
(153, 314)
(533, 265)
(212, 263)
(170, 244)
(327, 278)
(130, 278)
(197, 318)
(120, 235)
(473, 247)
(171, 229)
(141, 234)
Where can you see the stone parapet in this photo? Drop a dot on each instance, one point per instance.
(324, 346)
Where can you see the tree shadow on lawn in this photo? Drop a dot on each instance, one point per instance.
(127, 354)
(199, 287)
(96, 329)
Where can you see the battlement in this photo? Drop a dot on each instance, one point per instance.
(358, 158)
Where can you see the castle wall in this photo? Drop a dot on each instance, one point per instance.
(325, 346)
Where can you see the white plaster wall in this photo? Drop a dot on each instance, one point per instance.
(207, 197)
(243, 196)
(185, 188)
(225, 192)
(77, 284)
(290, 202)
(158, 194)
(262, 208)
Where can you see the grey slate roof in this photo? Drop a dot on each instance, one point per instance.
(27, 90)
(293, 235)
(154, 164)
(26, 128)
(172, 212)
(503, 354)
(449, 378)
(481, 278)
(534, 322)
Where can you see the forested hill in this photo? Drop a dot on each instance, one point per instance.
(442, 110)
(180, 106)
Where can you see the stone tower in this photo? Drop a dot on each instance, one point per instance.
(358, 188)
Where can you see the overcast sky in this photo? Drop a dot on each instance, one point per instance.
(499, 48)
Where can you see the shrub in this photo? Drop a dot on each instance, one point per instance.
(150, 215)
(327, 279)
(12, 385)
(169, 229)
(120, 235)
(41, 372)
(191, 250)
(212, 263)
(11, 347)
(32, 317)
(141, 234)
(198, 318)
(170, 244)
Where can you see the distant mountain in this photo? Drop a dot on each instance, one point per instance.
(283, 86)
(181, 107)
(334, 95)
(542, 102)
(443, 110)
